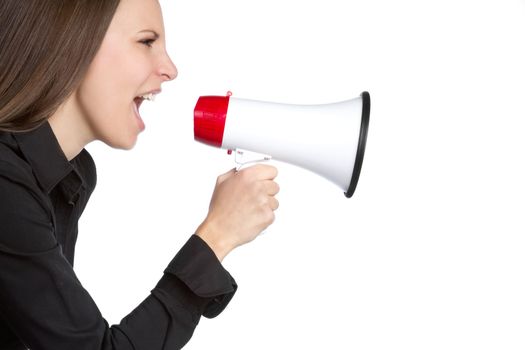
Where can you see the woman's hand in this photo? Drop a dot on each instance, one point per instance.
(241, 207)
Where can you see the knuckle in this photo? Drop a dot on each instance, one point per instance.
(267, 216)
(271, 217)
(263, 202)
(260, 187)
(249, 171)
(244, 176)
(269, 171)
(257, 192)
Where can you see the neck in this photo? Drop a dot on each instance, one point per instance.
(70, 129)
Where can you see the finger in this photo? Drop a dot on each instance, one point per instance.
(261, 172)
(226, 175)
(272, 187)
(273, 203)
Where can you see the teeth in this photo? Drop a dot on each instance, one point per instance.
(149, 97)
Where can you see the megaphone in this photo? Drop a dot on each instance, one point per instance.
(328, 139)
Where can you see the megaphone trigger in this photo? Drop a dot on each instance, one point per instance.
(243, 157)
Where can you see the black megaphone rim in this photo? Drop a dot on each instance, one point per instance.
(365, 119)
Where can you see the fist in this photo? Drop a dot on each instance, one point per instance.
(242, 206)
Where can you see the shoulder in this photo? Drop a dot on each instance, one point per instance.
(14, 168)
(17, 181)
(25, 218)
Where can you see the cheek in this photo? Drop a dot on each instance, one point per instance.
(107, 92)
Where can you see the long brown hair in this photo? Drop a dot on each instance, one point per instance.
(46, 47)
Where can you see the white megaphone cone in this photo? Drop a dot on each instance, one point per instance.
(327, 139)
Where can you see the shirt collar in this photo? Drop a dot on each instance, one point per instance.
(42, 151)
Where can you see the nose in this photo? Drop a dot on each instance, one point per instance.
(167, 70)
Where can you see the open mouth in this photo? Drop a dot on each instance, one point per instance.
(137, 102)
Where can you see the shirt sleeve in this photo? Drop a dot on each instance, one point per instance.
(46, 306)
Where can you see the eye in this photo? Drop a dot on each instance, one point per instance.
(148, 42)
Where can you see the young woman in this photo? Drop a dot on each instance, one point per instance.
(74, 71)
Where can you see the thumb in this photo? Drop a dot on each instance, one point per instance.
(226, 176)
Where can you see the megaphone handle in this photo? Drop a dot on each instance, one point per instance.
(243, 157)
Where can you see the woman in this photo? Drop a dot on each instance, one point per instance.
(71, 72)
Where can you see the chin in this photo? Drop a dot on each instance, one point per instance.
(124, 143)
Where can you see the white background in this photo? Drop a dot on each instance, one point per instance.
(430, 251)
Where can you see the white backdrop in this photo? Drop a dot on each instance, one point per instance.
(430, 251)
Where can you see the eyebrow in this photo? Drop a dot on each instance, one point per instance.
(151, 31)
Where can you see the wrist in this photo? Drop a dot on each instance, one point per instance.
(214, 240)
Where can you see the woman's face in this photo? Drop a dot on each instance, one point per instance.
(131, 62)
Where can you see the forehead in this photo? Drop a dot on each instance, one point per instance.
(133, 16)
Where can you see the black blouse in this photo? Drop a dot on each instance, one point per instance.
(42, 303)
